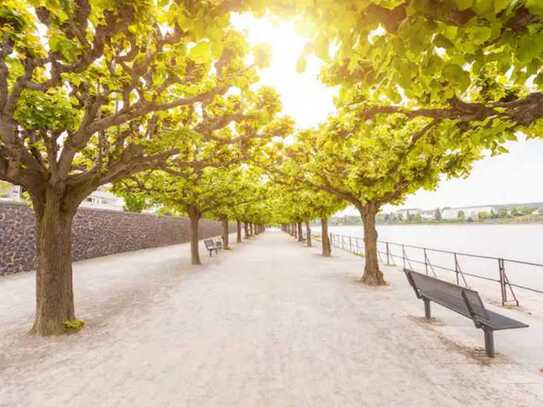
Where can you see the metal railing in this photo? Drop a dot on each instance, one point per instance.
(494, 269)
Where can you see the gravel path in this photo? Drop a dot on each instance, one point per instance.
(269, 323)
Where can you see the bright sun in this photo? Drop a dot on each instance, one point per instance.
(299, 91)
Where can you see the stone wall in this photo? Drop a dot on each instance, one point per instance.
(97, 232)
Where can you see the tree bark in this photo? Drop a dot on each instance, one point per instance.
(308, 233)
(372, 274)
(300, 232)
(246, 229)
(54, 287)
(252, 228)
(326, 246)
(194, 217)
(225, 234)
(238, 231)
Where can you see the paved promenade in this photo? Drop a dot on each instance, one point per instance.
(269, 323)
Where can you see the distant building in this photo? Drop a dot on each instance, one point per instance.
(100, 199)
(14, 194)
(408, 213)
(103, 200)
(472, 212)
(428, 214)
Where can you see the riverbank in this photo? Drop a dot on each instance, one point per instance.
(520, 220)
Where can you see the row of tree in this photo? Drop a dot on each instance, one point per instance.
(425, 89)
(158, 98)
(93, 93)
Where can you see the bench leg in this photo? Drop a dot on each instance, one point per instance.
(427, 309)
(489, 342)
(211, 253)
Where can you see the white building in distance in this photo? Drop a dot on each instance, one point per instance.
(100, 199)
(472, 212)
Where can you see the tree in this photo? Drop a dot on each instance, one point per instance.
(214, 183)
(134, 203)
(244, 187)
(467, 61)
(298, 202)
(437, 215)
(461, 215)
(251, 190)
(84, 87)
(369, 164)
(195, 193)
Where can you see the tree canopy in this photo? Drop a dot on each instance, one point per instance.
(160, 98)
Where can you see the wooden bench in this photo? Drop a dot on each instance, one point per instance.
(462, 300)
(211, 246)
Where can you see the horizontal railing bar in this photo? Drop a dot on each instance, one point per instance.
(338, 238)
(479, 256)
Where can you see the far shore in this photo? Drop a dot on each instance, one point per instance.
(503, 221)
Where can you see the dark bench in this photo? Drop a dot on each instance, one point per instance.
(462, 300)
(218, 244)
(211, 246)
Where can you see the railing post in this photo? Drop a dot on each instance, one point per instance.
(403, 255)
(501, 268)
(456, 269)
(425, 261)
(388, 253)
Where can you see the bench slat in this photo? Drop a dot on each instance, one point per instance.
(449, 301)
(498, 322)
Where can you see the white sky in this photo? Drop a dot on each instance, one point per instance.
(516, 177)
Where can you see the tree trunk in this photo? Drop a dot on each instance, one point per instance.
(300, 232)
(246, 229)
(372, 275)
(225, 234)
(308, 233)
(54, 289)
(194, 217)
(238, 231)
(326, 246)
(252, 228)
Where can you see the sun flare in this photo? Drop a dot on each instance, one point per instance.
(298, 91)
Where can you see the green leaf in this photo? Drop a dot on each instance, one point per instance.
(483, 6)
(201, 53)
(530, 47)
(535, 6)
(455, 74)
(463, 4)
(480, 34)
(500, 5)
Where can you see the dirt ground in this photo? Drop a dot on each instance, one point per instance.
(269, 323)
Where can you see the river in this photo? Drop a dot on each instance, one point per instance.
(516, 242)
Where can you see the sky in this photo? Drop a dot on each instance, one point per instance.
(516, 177)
